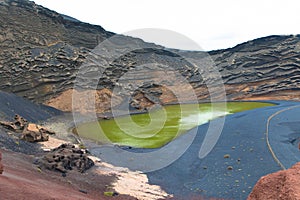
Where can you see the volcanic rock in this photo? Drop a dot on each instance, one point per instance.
(66, 157)
(35, 133)
(1, 165)
(284, 185)
(17, 126)
(30, 132)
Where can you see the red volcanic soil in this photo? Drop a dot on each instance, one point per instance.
(23, 180)
(282, 185)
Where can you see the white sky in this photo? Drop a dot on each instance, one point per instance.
(213, 24)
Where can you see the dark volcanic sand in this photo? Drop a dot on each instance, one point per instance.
(243, 138)
(11, 104)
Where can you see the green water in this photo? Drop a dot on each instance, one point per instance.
(159, 127)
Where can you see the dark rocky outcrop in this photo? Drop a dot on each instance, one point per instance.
(66, 157)
(267, 66)
(41, 52)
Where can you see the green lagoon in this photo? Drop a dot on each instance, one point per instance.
(159, 127)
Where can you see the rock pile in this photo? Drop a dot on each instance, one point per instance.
(66, 157)
(1, 166)
(30, 132)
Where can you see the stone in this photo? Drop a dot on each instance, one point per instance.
(17, 126)
(36, 133)
(32, 127)
(226, 156)
(20, 122)
(284, 185)
(30, 132)
(34, 136)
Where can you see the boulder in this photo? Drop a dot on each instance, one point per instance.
(35, 133)
(284, 185)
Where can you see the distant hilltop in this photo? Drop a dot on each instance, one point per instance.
(41, 51)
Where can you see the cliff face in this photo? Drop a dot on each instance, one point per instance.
(267, 67)
(41, 52)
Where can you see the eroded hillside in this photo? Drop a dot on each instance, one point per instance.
(42, 51)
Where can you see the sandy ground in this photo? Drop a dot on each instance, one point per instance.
(23, 180)
(132, 183)
(45, 184)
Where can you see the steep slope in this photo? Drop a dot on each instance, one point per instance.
(41, 52)
(40, 49)
(263, 68)
(10, 105)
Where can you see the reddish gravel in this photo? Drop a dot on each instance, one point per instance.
(283, 185)
(22, 180)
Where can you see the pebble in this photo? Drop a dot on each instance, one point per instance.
(83, 191)
(226, 156)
